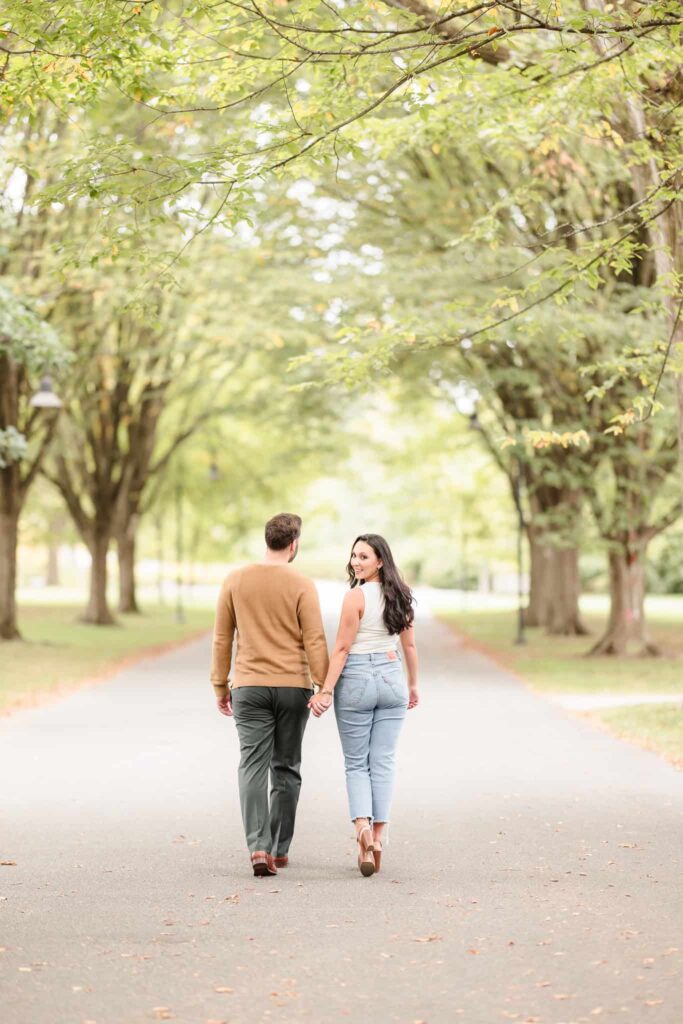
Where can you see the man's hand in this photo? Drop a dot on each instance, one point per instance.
(321, 703)
(225, 705)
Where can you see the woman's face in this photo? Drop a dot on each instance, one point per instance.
(364, 561)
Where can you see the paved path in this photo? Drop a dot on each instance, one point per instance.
(534, 871)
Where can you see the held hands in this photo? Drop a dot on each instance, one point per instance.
(320, 703)
(413, 697)
(225, 705)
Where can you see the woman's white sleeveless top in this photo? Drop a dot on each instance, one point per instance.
(373, 637)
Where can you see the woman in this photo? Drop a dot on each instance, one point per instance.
(366, 682)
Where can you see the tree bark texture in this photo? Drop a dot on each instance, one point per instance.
(626, 632)
(554, 589)
(38, 427)
(97, 611)
(555, 586)
(9, 529)
(125, 544)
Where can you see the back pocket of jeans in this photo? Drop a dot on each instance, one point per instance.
(397, 685)
(350, 692)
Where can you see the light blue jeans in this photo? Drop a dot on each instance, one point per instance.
(370, 702)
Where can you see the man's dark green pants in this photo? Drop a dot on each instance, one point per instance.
(270, 724)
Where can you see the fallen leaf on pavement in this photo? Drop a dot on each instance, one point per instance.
(562, 995)
(223, 988)
(596, 1011)
(162, 1013)
(8, 863)
(474, 952)
(653, 1002)
(429, 938)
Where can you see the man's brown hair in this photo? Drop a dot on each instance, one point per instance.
(282, 530)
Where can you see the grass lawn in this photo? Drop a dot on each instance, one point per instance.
(558, 665)
(57, 652)
(654, 726)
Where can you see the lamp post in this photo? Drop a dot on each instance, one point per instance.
(517, 493)
(45, 398)
(179, 609)
(158, 522)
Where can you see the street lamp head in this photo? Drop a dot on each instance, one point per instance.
(45, 398)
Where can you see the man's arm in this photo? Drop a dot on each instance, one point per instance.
(223, 637)
(313, 634)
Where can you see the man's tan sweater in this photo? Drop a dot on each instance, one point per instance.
(275, 612)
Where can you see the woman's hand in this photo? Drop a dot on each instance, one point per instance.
(320, 703)
(413, 696)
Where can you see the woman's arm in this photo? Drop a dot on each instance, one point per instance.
(410, 655)
(351, 613)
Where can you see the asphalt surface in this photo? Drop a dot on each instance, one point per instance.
(533, 872)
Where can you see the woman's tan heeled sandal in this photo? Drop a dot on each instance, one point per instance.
(377, 854)
(366, 856)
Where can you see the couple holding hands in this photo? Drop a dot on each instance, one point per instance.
(274, 613)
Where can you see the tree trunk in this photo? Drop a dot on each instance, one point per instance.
(626, 632)
(534, 613)
(97, 611)
(52, 569)
(562, 591)
(125, 543)
(9, 532)
(554, 589)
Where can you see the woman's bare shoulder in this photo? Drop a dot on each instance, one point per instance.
(354, 599)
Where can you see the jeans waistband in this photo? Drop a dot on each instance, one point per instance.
(381, 656)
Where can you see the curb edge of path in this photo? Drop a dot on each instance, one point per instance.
(43, 698)
(589, 718)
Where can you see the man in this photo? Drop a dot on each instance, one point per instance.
(275, 613)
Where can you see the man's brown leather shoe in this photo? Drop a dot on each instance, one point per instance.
(263, 864)
(281, 862)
